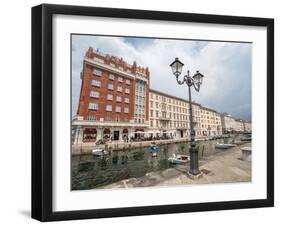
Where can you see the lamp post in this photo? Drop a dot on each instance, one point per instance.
(195, 81)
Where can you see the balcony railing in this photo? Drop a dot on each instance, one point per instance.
(164, 118)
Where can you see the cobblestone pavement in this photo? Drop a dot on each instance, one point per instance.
(223, 167)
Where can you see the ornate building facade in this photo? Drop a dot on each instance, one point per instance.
(113, 101)
(170, 115)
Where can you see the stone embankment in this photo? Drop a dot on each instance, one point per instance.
(224, 167)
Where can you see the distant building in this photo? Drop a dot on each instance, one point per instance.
(228, 123)
(247, 126)
(239, 125)
(170, 115)
(231, 124)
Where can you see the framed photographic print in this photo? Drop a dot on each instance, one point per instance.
(145, 112)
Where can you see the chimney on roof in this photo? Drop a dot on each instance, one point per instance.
(90, 52)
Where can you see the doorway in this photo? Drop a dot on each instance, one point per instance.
(181, 132)
(116, 135)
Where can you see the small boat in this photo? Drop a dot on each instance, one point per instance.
(246, 138)
(99, 152)
(224, 146)
(154, 154)
(238, 142)
(178, 159)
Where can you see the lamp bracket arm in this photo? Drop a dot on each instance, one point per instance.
(197, 88)
(183, 81)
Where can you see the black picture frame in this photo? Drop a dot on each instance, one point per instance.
(42, 111)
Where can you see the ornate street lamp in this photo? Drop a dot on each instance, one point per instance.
(195, 81)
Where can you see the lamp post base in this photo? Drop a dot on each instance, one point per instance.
(195, 177)
(194, 166)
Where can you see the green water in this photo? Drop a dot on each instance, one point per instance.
(90, 171)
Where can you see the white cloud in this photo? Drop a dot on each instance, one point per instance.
(226, 66)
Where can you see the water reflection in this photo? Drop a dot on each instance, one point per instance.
(89, 171)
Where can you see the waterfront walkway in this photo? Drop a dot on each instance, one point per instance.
(119, 146)
(86, 148)
(223, 167)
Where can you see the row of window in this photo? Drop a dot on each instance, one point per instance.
(110, 86)
(140, 94)
(174, 108)
(107, 118)
(120, 79)
(177, 102)
(170, 107)
(171, 116)
(141, 89)
(140, 102)
(209, 112)
(96, 94)
(118, 98)
(98, 72)
(139, 120)
(140, 111)
(183, 124)
(95, 106)
(169, 125)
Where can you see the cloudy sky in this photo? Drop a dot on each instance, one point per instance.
(226, 66)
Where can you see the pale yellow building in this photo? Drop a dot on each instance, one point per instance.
(210, 122)
(239, 125)
(247, 126)
(231, 124)
(168, 114)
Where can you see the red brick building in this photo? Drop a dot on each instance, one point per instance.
(113, 101)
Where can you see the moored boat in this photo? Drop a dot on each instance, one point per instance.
(224, 146)
(178, 159)
(154, 154)
(99, 152)
(238, 142)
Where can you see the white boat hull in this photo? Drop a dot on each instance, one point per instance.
(224, 146)
(99, 152)
(179, 159)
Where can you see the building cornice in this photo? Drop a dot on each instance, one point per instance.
(107, 124)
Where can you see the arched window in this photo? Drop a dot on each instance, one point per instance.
(106, 134)
(89, 135)
(125, 134)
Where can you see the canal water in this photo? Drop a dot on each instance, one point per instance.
(90, 171)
